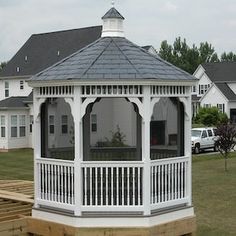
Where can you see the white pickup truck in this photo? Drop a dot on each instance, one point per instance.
(203, 138)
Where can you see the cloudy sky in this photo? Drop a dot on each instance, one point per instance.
(148, 22)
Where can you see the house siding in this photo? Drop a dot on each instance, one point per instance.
(14, 88)
(214, 97)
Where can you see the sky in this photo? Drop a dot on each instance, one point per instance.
(147, 22)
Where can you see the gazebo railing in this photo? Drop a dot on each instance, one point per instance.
(56, 183)
(112, 186)
(169, 182)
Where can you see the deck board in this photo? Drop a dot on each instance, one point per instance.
(16, 199)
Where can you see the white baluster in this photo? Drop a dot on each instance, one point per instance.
(133, 180)
(112, 186)
(106, 174)
(85, 186)
(102, 186)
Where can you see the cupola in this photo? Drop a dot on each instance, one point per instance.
(113, 24)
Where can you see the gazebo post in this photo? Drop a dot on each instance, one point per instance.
(146, 149)
(78, 149)
(187, 145)
(37, 143)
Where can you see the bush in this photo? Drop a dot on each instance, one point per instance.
(210, 116)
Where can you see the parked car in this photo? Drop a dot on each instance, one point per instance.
(203, 138)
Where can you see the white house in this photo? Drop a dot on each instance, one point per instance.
(216, 87)
(39, 52)
(92, 178)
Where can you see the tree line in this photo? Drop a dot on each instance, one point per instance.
(188, 58)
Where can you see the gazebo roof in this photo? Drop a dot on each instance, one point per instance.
(112, 58)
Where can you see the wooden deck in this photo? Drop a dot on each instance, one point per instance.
(16, 199)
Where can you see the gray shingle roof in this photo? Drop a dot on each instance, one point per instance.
(113, 58)
(16, 102)
(221, 71)
(42, 50)
(226, 90)
(113, 13)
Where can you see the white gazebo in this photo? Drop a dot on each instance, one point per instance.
(112, 128)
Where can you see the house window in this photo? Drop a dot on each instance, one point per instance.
(22, 125)
(207, 105)
(21, 84)
(3, 127)
(51, 124)
(64, 124)
(31, 124)
(221, 107)
(14, 126)
(94, 123)
(6, 89)
(203, 88)
(194, 89)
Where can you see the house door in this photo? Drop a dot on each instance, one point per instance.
(157, 132)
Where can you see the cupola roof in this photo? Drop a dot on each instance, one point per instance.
(113, 13)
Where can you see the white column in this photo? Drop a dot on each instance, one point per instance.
(146, 149)
(188, 147)
(78, 150)
(187, 142)
(37, 143)
(37, 151)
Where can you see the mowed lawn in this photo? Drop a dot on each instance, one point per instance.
(214, 195)
(214, 190)
(17, 164)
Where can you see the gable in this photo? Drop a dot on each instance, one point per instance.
(213, 96)
(199, 72)
(204, 79)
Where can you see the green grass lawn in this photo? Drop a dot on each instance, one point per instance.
(17, 164)
(214, 190)
(214, 195)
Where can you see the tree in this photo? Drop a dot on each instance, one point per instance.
(206, 53)
(210, 116)
(117, 138)
(2, 64)
(228, 56)
(226, 140)
(186, 57)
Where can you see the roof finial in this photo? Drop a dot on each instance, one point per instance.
(113, 3)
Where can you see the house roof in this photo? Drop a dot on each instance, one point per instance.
(43, 50)
(16, 102)
(113, 13)
(221, 71)
(147, 47)
(226, 90)
(112, 58)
